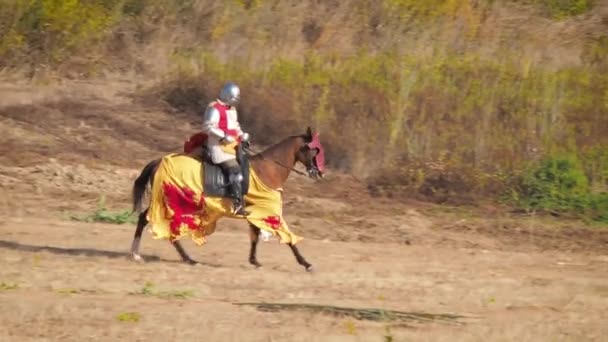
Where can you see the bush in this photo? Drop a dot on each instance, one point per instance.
(48, 30)
(599, 207)
(566, 8)
(559, 184)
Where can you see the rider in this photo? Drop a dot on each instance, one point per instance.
(222, 127)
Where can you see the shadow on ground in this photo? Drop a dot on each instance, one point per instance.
(88, 252)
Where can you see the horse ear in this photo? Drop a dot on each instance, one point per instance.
(309, 133)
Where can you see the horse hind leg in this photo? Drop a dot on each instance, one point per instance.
(254, 233)
(182, 253)
(299, 258)
(142, 221)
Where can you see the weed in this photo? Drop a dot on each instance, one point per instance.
(102, 215)
(128, 317)
(68, 291)
(8, 286)
(388, 335)
(148, 290)
(566, 8)
(180, 294)
(351, 328)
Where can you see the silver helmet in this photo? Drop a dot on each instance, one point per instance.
(230, 94)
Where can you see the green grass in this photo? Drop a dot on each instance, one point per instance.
(8, 286)
(102, 215)
(560, 9)
(68, 291)
(149, 290)
(128, 317)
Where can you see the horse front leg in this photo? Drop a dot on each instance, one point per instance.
(300, 258)
(254, 233)
(182, 253)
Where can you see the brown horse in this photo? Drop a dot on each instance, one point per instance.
(273, 166)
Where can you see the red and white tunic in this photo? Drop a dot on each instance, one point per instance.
(220, 120)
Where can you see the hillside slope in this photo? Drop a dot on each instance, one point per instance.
(464, 99)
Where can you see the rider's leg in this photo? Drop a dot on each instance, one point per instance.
(235, 177)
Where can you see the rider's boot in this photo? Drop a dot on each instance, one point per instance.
(237, 195)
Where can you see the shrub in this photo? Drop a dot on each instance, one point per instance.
(559, 184)
(51, 29)
(566, 8)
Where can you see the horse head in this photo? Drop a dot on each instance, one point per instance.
(312, 155)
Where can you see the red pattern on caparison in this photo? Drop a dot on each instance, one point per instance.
(182, 202)
(273, 221)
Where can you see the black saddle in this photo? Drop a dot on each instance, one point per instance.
(216, 183)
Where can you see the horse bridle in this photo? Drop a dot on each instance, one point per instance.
(310, 170)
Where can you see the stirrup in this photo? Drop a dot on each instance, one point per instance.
(239, 209)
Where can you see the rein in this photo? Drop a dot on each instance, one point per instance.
(251, 152)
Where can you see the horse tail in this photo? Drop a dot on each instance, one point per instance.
(139, 186)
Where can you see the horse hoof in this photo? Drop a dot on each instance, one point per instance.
(190, 262)
(309, 268)
(255, 264)
(137, 257)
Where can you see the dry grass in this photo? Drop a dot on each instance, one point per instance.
(537, 295)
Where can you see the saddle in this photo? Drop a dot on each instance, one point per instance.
(215, 181)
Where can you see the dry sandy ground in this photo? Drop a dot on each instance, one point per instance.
(514, 278)
(73, 280)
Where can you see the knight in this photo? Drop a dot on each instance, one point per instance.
(224, 132)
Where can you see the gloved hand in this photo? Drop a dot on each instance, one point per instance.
(245, 140)
(227, 140)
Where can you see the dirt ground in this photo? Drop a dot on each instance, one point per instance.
(63, 147)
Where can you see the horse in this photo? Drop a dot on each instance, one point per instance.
(272, 166)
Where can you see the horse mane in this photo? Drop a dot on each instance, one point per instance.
(275, 149)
